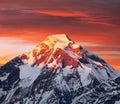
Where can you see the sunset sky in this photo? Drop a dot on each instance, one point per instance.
(93, 23)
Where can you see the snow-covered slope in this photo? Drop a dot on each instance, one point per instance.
(59, 51)
(57, 71)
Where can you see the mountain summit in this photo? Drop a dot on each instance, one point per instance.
(58, 71)
(56, 50)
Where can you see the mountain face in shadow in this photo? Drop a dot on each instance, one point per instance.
(59, 71)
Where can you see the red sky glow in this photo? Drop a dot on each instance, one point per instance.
(95, 24)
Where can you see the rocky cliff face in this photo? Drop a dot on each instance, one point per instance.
(58, 71)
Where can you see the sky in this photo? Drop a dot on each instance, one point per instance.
(95, 24)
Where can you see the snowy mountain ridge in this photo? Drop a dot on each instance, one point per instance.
(59, 51)
(58, 71)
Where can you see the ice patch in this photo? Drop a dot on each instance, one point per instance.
(117, 102)
(28, 74)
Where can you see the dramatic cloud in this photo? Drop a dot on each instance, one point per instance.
(93, 22)
(16, 46)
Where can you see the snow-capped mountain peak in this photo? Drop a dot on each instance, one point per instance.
(59, 51)
(58, 71)
(55, 49)
(60, 40)
(56, 41)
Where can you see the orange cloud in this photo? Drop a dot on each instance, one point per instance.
(58, 13)
(81, 16)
